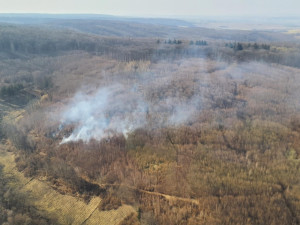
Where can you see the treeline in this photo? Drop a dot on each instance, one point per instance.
(201, 42)
(240, 46)
(21, 42)
(178, 42)
(32, 40)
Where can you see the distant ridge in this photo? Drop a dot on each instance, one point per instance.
(37, 18)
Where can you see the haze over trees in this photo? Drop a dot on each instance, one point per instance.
(200, 127)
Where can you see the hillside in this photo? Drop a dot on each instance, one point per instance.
(179, 129)
(112, 26)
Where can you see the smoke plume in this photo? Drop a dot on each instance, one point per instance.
(110, 110)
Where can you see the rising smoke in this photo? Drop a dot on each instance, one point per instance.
(120, 108)
(161, 99)
(109, 110)
(117, 109)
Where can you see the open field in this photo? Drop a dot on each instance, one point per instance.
(51, 204)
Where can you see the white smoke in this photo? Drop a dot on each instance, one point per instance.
(119, 109)
(185, 112)
(159, 98)
(110, 110)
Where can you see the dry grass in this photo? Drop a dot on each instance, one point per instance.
(66, 209)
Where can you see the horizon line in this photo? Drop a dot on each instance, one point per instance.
(148, 16)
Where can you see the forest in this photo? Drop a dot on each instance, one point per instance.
(200, 127)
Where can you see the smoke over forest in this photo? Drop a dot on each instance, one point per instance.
(110, 109)
(157, 99)
(151, 121)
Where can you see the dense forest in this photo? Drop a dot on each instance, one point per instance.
(200, 128)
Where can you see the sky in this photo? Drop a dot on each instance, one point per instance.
(159, 8)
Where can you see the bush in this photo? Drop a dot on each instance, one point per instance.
(131, 219)
(110, 202)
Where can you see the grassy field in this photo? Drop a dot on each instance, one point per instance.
(66, 209)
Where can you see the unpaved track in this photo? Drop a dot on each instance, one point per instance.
(153, 193)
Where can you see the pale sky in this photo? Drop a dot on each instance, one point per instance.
(156, 7)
